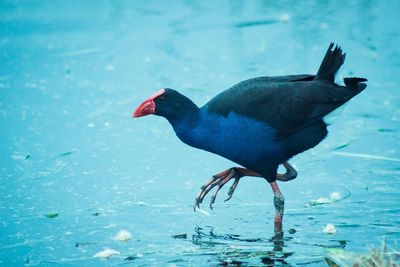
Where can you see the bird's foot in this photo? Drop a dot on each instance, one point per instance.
(220, 180)
(236, 173)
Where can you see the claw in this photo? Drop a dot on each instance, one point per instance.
(196, 204)
(208, 189)
(214, 196)
(212, 202)
(220, 180)
(232, 189)
(217, 179)
(203, 191)
(221, 184)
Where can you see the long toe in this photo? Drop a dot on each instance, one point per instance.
(208, 186)
(219, 180)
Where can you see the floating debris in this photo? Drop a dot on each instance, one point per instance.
(66, 154)
(111, 225)
(340, 147)
(105, 254)
(81, 244)
(123, 236)
(17, 157)
(329, 229)
(365, 156)
(253, 23)
(180, 236)
(292, 231)
(386, 130)
(133, 257)
(285, 17)
(51, 215)
(335, 196)
(96, 214)
(320, 201)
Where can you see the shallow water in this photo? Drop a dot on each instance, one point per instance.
(71, 75)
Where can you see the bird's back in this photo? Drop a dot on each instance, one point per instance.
(288, 103)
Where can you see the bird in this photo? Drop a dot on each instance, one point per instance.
(259, 123)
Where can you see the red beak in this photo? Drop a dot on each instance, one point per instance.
(148, 106)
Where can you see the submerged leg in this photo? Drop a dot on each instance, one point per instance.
(279, 203)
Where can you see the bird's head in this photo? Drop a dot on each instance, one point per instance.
(167, 103)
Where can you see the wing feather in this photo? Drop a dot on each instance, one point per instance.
(286, 103)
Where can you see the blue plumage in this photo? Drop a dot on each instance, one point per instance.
(241, 139)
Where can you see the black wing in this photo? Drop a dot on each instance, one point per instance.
(286, 103)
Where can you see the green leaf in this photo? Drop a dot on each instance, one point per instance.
(331, 263)
(52, 215)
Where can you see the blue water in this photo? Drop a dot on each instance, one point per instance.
(71, 74)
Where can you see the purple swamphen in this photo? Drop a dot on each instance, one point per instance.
(258, 123)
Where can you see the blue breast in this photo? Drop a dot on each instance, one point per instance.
(246, 141)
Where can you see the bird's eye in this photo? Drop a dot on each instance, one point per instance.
(161, 97)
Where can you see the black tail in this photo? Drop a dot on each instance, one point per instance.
(357, 84)
(331, 64)
(353, 82)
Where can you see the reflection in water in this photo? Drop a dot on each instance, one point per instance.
(239, 253)
(234, 250)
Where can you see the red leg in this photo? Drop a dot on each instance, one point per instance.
(279, 203)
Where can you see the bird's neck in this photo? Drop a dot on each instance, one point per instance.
(185, 125)
(186, 116)
(185, 121)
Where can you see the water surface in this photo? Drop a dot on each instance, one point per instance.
(71, 74)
